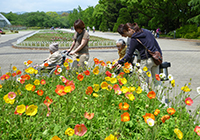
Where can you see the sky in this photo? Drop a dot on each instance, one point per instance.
(44, 5)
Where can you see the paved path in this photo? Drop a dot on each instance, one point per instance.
(184, 56)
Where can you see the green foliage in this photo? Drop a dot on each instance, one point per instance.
(123, 18)
(187, 31)
(68, 110)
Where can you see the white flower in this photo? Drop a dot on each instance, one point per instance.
(131, 68)
(61, 77)
(162, 75)
(137, 64)
(25, 63)
(109, 66)
(150, 122)
(59, 70)
(86, 62)
(113, 75)
(140, 71)
(170, 77)
(198, 90)
(18, 79)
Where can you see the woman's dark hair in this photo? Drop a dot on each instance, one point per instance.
(79, 24)
(120, 29)
(133, 26)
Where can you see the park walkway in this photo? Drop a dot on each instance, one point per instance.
(184, 56)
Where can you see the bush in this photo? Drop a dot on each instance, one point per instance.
(3, 33)
(16, 31)
(182, 31)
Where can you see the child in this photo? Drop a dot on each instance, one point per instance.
(54, 59)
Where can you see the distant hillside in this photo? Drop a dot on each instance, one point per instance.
(60, 12)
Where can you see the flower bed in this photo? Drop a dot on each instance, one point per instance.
(65, 39)
(93, 104)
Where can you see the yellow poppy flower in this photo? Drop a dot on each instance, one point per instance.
(31, 110)
(107, 78)
(67, 89)
(21, 109)
(69, 132)
(145, 69)
(14, 68)
(37, 82)
(96, 87)
(111, 137)
(178, 133)
(95, 95)
(132, 89)
(148, 74)
(113, 80)
(124, 81)
(96, 71)
(124, 89)
(139, 90)
(70, 60)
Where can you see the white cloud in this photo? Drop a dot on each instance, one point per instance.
(44, 5)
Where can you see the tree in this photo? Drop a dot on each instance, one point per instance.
(195, 8)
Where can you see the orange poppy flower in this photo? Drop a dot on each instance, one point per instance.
(70, 83)
(80, 129)
(87, 72)
(164, 118)
(29, 61)
(22, 81)
(42, 82)
(96, 61)
(151, 95)
(197, 130)
(25, 77)
(147, 116)
(46, 64)
(40, 92)
(56, 138)
(171, 111)
(157, 77)
(7, 76)
(109, 74)
(33, 88)
(88, 116)
(14, 74)
(156, 112)
(104, 85)
(80, 77)
(103, 64)
(123, 107)
(120, 82)
(18, 72)
(121, 74)
(188, 101)
(125, 117)
(48, 101)
(127, 65)
(89, 90)
(60, 90)
(96, 71)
